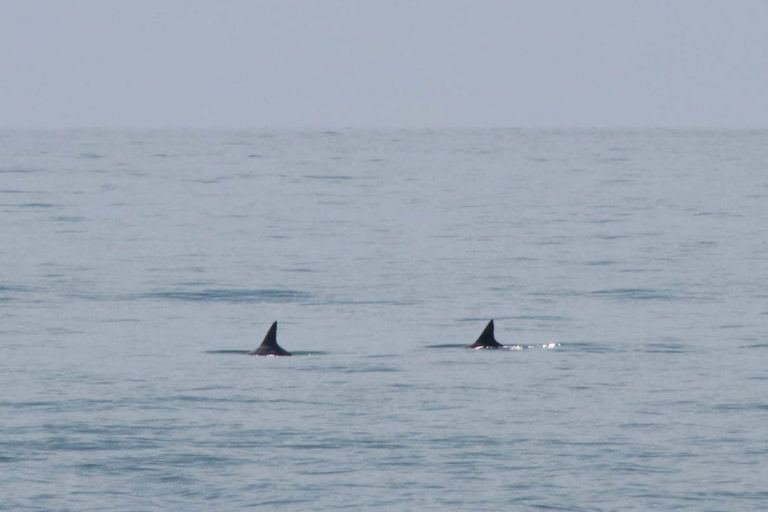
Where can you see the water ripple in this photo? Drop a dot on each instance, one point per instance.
(638, 294)
(230, 295)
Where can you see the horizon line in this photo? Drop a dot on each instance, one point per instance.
(382, 128)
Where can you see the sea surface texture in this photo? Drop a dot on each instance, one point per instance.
(628, 268)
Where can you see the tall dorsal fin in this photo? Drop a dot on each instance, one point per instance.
(269, 346)
(486, 339)
(270, 340)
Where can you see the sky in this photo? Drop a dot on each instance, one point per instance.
(384, 63)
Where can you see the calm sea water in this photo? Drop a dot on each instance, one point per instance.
(135, 264)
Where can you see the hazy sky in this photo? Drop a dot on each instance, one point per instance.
(384, 63)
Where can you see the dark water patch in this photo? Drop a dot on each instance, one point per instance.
(634, 468)
(369, 303)
(546, 506)
(731, 326)
(34, 205)
(601, 263)
(347, 442)
(194, 284)
(329, 177)
(333, 445)
(708, 213)
(211, 181)
(555, 240)
(29, 405)
(762, 407)
(115, 429)
(98, 297)
(464, 441)
(722, 495)
(212, 387)
(176, 460)
(62, 331)
(616, 181)
(90, 156)
(66, 218)
(120, 320)
(664, 348)
(255, 155)
(194, 398)
(635, 294)
(327, 472)
(521, 259)
(277, 503)
(106, 440)
(15, 288)
(756, 345)
(111, 443)
(640, 270)
(268, 295)
(19, 170)
(10, 293)
(79, 404)
(370, 369)
(247, 352)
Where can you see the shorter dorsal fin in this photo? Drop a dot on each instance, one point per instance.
(486, 339)
(269, 346)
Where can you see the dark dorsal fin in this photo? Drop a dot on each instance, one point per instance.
(269, 346)
(486, 339)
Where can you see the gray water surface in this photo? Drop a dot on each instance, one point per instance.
(137, 266)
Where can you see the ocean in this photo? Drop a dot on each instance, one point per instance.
(629, 268)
